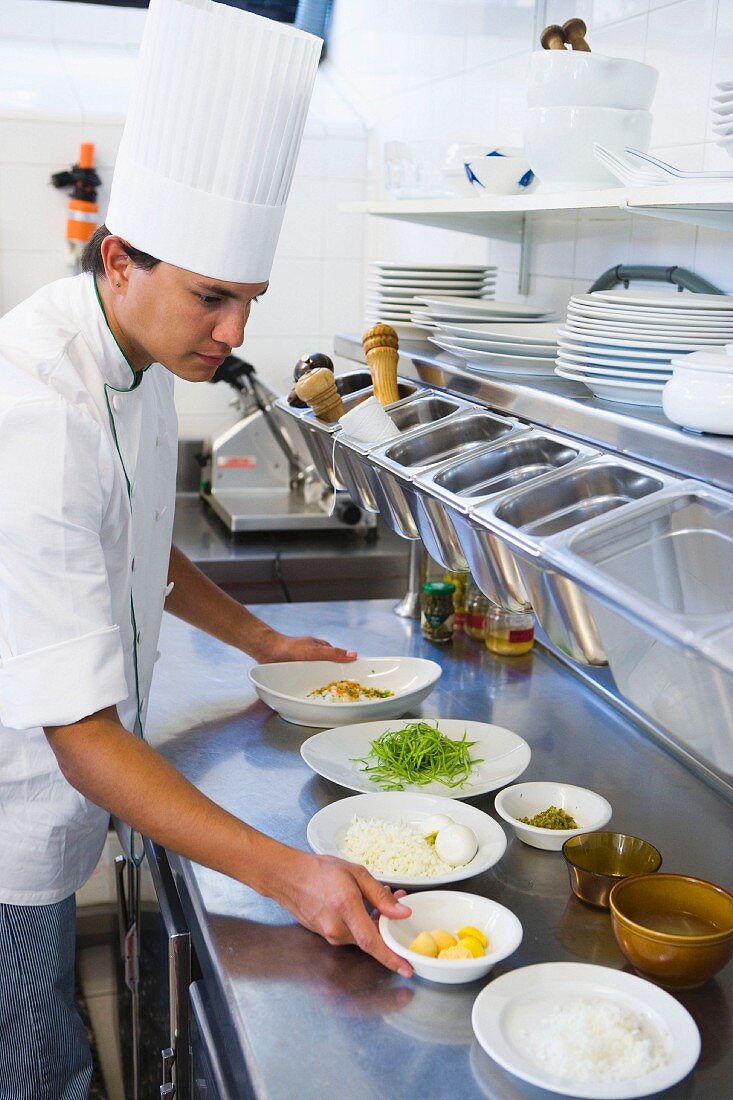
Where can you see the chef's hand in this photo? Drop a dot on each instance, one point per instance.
(328, 895)
(281, 647)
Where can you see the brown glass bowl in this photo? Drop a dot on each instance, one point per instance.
(674, 929)
(597, 861)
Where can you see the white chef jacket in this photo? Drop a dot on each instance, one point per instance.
(87, 491)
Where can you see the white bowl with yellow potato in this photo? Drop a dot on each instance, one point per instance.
(482, 934)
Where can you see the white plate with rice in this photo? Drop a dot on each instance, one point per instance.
(383, 832)
(336, 755)
(587, 1031)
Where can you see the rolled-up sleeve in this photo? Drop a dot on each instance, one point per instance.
(61, 655)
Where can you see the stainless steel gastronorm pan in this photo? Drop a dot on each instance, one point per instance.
(662, 570)
(534, 514)
(318, 434)
(418, 411)
(397, 463)
(448, 494)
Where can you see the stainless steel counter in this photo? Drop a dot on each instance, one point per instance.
(308, 1020)
(264, 568)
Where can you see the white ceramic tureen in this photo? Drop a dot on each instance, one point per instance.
(699, 394)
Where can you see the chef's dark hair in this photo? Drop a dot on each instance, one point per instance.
(91, 257)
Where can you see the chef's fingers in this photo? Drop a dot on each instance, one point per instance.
(396, 894)
(317, 649)
(366, 936)
(380, 896)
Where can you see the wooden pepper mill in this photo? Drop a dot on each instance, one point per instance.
(381, 345)
(318, 389)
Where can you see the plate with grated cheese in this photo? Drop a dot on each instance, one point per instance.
(587, 1031)
(385, 833)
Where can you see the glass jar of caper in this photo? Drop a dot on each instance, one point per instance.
(436, 610)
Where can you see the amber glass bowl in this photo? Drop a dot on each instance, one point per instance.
(597, 861)
(675, 929)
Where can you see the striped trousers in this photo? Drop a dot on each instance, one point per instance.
(44, 1053)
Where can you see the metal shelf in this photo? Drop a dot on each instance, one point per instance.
(503, 216)
(551, 402)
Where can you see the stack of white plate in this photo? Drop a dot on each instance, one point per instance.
(393, 290)
(620, 343)
(500, 347)
(723, 115)
(493, 337)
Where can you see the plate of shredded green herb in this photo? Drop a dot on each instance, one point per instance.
(447, 756)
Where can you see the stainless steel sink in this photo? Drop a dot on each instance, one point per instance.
(531, 518)
(398, 463)
(412, 413)
(448, 493)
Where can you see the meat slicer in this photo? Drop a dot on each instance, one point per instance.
(258, 475)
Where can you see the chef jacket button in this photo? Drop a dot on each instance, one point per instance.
(132, 488)
(117, 402)
(139, 636)
(157, 655)
(132, 566)
(168, 589)
(160, 512)
(143, 701)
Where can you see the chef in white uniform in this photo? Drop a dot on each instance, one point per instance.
(88, 453)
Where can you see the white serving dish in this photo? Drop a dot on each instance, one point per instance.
(496, 362)
(559, 143)
(335, 754)
(589, 809)
(499, 173)
(327, 828)
(513, 1005)
(453, 910)
(285, 685)
(699, 395)
(565, 78)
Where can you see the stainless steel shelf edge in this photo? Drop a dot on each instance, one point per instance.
(643, 433)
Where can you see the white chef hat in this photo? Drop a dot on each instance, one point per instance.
(211, 138)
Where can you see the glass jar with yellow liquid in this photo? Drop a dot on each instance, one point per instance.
(509, 633)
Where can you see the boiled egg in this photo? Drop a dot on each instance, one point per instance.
(433, 824)
(456, 844)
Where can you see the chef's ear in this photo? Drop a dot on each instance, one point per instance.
(117, 263)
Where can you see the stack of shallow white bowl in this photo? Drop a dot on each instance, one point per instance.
(723, 115)
(621, 343)
(577, 99)
(494, 337)
(394, 289)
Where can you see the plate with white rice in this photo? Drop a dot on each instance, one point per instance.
(587, 1031)
(384, 832)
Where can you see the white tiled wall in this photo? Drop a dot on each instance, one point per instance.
(445, 70)
(455, 70)
(56, 90)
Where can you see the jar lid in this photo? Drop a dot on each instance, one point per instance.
(438, 588)
(717, 359)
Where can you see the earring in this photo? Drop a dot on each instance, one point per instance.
(118, 284)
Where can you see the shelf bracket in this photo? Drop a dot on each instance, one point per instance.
(525, 249)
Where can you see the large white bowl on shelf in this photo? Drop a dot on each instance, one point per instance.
(452, 910)
(590, 810)
(569, 78)
(559, 143)
(285, 686)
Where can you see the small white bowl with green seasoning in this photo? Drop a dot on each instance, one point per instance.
(547, 808)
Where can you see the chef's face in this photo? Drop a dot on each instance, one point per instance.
(187, 322)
